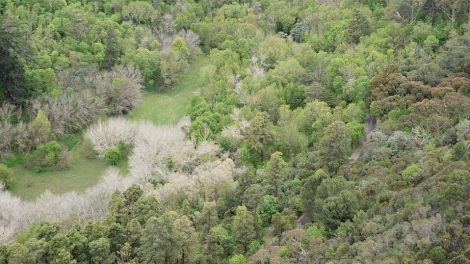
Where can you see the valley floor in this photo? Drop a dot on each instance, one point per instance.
(159, 108)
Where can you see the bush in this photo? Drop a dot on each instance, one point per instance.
(6, 176)
(317, 232)
(113, 156)
(117, 154)
(412, 174)
(285, 252)
(48, 155)
(237, 259)
(438, 255)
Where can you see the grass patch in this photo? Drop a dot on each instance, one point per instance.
(81, 174)
(169, 107)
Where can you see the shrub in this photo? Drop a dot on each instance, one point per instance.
(237, 259)
(413, 174)
(47, 155)
(437, 255)
(6, 176)
(285, 252)
(113, 156)
(317, 232)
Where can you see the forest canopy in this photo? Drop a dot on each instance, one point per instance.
(320, 131)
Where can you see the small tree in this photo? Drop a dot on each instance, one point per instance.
(180, 48)
(6, 176)
(46, 155)
(276, 173)
(335, 146)
(259, 133)
(42, 128)
(243, 229)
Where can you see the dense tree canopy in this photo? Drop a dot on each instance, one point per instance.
(321, 132)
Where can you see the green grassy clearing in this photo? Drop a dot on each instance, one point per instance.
(166, 108)
(82, 173)
(171, 106)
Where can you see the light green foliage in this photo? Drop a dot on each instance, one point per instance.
(42, 80)
(346, 122)
(356, 131)
(113, 156)
(413, 174)
(359, 90)
(138, 12)
(285, 252)
(315, 118)
(18, 254)
(285, 72)
(180, 47)
(317, 232)
(237, 259)
(46, 155)
(292, 140)
(268, 207)
(6, 176)
(42, 127)
(100, 251)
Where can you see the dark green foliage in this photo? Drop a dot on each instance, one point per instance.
(157, 242)
(112, 44)
(12, 75)
(438, 255)
(358, 26)
(335, 146)
(294, 95)
(309, 190)
(338, 209)
(298, 31)
(243, 229)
